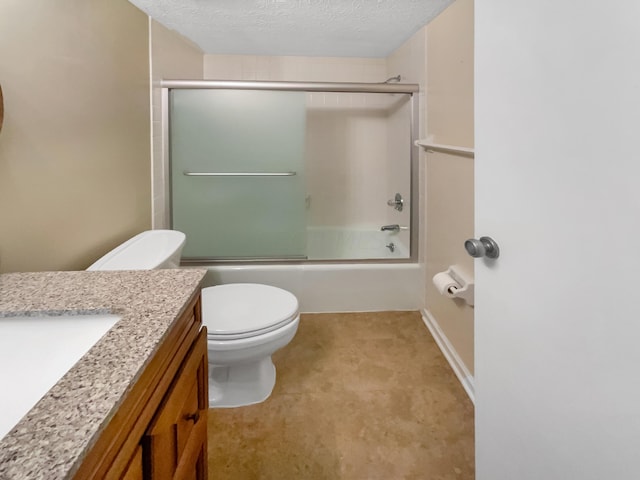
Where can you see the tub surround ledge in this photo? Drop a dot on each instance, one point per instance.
(53, 438)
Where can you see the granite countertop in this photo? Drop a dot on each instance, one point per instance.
(52, 439)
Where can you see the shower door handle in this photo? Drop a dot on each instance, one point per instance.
(239, 174)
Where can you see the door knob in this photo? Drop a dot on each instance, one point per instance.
(485, 247)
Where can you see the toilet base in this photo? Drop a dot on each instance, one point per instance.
(241, 384)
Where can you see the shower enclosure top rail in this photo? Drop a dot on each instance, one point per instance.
(408, 88)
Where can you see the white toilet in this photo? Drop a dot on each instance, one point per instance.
(146, 251)
(246, 323)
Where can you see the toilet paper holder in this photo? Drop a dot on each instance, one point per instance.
(455, 282)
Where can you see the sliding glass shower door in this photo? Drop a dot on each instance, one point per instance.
(237, 173)
(293, 170)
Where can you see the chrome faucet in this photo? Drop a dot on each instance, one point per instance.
(392, 228)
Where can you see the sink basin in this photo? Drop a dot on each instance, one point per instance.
(35, 352)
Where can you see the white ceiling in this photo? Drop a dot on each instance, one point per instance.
(340, 28)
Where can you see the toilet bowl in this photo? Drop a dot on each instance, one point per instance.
(246, 323)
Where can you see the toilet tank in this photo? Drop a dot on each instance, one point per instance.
(146, 251)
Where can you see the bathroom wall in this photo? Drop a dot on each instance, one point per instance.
(316, 69)
(74, 149)
(172, 57)
(449, 202)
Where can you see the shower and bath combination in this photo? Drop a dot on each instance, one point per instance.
(293, 171)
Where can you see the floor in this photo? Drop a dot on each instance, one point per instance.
(357, 396)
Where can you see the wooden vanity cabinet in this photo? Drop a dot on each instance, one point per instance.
(160, 429)
(175, 444)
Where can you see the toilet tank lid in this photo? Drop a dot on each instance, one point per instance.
(246, 307)
(145, 251)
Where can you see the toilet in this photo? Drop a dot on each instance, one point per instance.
(146, 251)
(246, 322)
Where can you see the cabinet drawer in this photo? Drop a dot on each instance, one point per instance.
(175, 442)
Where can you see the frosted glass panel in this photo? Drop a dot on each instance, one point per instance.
(226, 131)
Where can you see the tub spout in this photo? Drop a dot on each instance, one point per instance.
(392, 228)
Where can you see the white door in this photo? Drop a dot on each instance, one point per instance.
(558, 188)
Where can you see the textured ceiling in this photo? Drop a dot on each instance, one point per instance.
(342, 28)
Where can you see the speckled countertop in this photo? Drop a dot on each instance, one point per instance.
(51, 440)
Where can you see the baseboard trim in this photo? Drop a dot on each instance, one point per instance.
(458, 366)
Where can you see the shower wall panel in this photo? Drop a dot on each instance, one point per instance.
(358, 146)
(346, 153)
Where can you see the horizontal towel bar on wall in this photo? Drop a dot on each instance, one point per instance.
(438, 147)
(239, 174)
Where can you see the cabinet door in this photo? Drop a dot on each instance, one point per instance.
(175, 445)
(134, 469)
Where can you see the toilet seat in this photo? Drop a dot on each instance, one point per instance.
(242, 310)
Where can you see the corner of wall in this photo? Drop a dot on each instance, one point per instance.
(171, 56)
(450, 178)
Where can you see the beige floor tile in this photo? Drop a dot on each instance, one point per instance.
(357, 396)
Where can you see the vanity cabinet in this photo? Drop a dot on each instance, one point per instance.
(175, 444)
(160, 429)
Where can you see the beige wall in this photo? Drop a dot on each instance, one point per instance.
(74, 150)
(449, 189)
(302, 69)
(173, 57)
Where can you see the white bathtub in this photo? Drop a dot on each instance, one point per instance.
(335, 287)
(340, 287)
(334, 243)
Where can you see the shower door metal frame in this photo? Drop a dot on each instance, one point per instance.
(411, 89)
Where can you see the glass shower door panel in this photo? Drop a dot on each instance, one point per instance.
(242, 132)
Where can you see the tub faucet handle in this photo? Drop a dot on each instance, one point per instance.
(397, 202)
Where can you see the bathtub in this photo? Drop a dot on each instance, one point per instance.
(335, 287)
(339, 287)
(333, 243)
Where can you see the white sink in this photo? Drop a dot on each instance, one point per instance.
(35, 352)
